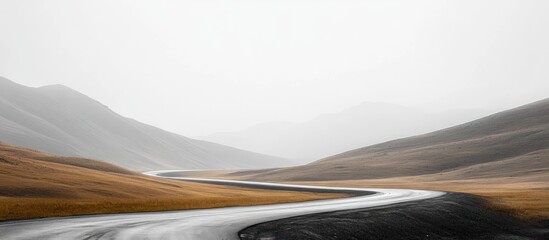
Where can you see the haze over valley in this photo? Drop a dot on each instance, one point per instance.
(274, 120)
(329, 134)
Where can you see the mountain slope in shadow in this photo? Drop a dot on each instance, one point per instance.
(62, 121)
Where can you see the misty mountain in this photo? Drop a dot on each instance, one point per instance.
(509, 144)
(62, 121)
(329, 134)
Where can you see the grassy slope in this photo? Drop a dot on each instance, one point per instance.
(35, 184)
(503, 157)
(519, 136)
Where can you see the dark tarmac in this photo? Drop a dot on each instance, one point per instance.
(451, 216)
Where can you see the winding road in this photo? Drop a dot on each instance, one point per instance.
(203, 224)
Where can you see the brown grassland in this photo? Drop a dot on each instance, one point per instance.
(34, 185)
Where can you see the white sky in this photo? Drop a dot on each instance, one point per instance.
(197, 67)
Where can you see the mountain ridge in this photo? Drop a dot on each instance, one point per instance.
(514, 142)
(63, 121)
(328, 134)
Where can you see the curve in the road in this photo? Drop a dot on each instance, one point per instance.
(203, 224)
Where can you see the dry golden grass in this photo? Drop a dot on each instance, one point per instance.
(34, 185)
(22, 208)
(529, 204)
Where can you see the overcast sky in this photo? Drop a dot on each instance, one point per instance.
(197, 67)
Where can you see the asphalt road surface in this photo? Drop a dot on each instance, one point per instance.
(203, 224)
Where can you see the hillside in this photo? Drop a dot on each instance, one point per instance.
(513, 143)
(59, 120)
(35, 184)
(328, 134)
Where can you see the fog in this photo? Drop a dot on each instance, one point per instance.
(199, 67)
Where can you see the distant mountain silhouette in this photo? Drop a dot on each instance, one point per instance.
(329, 134)
(62, 121)
(509, 144)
